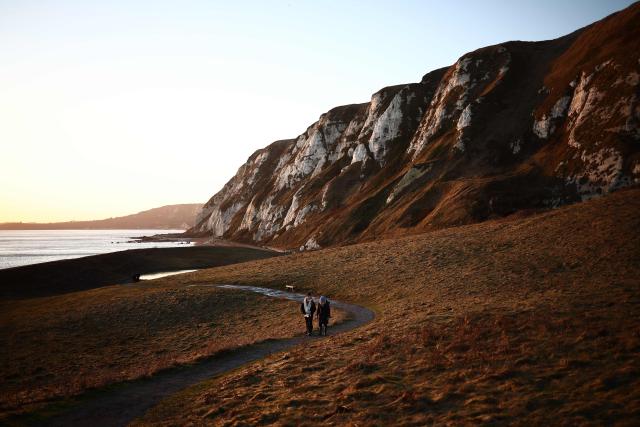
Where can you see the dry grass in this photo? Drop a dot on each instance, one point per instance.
(528, 321)
(60, 346)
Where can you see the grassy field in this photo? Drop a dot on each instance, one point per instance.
(525, 321)
(62, 345)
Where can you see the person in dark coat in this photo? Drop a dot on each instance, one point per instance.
(323, 313)
(308, 308)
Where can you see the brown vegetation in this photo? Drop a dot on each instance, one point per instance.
(62, 345)
(513, 127)
(525, 321)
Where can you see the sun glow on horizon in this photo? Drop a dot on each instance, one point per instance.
(111, 108)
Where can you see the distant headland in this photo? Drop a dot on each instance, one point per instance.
(181, 216)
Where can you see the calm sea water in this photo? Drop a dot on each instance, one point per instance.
(22, 247)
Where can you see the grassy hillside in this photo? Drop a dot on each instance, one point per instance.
(62, 345)
(524, 321)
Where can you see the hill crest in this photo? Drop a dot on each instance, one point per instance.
(180, 216)
(511, 127)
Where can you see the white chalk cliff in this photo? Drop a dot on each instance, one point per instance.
(521, 125)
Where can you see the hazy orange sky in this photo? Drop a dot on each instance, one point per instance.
(109, 108)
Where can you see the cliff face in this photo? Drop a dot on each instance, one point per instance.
(521, 125)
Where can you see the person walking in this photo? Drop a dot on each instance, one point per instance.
(308, 308)
(323, 313)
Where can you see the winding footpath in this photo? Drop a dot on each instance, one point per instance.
(121, 404)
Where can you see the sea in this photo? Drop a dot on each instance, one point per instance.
(24, 247)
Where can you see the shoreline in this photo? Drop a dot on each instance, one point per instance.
(20, 248)
(116, 268)
(203, 241)
(129, 242)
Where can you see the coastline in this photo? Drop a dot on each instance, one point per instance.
(199, 240)
(70, 275)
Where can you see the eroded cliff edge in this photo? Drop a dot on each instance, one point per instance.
(515, 126)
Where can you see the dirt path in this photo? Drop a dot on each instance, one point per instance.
(118, 405)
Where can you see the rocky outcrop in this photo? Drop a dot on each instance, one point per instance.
(521, 125)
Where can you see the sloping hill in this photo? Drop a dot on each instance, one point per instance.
(165, 217)
(530, 321)
(510, 127)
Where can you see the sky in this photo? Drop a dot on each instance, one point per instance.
(110, 108)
